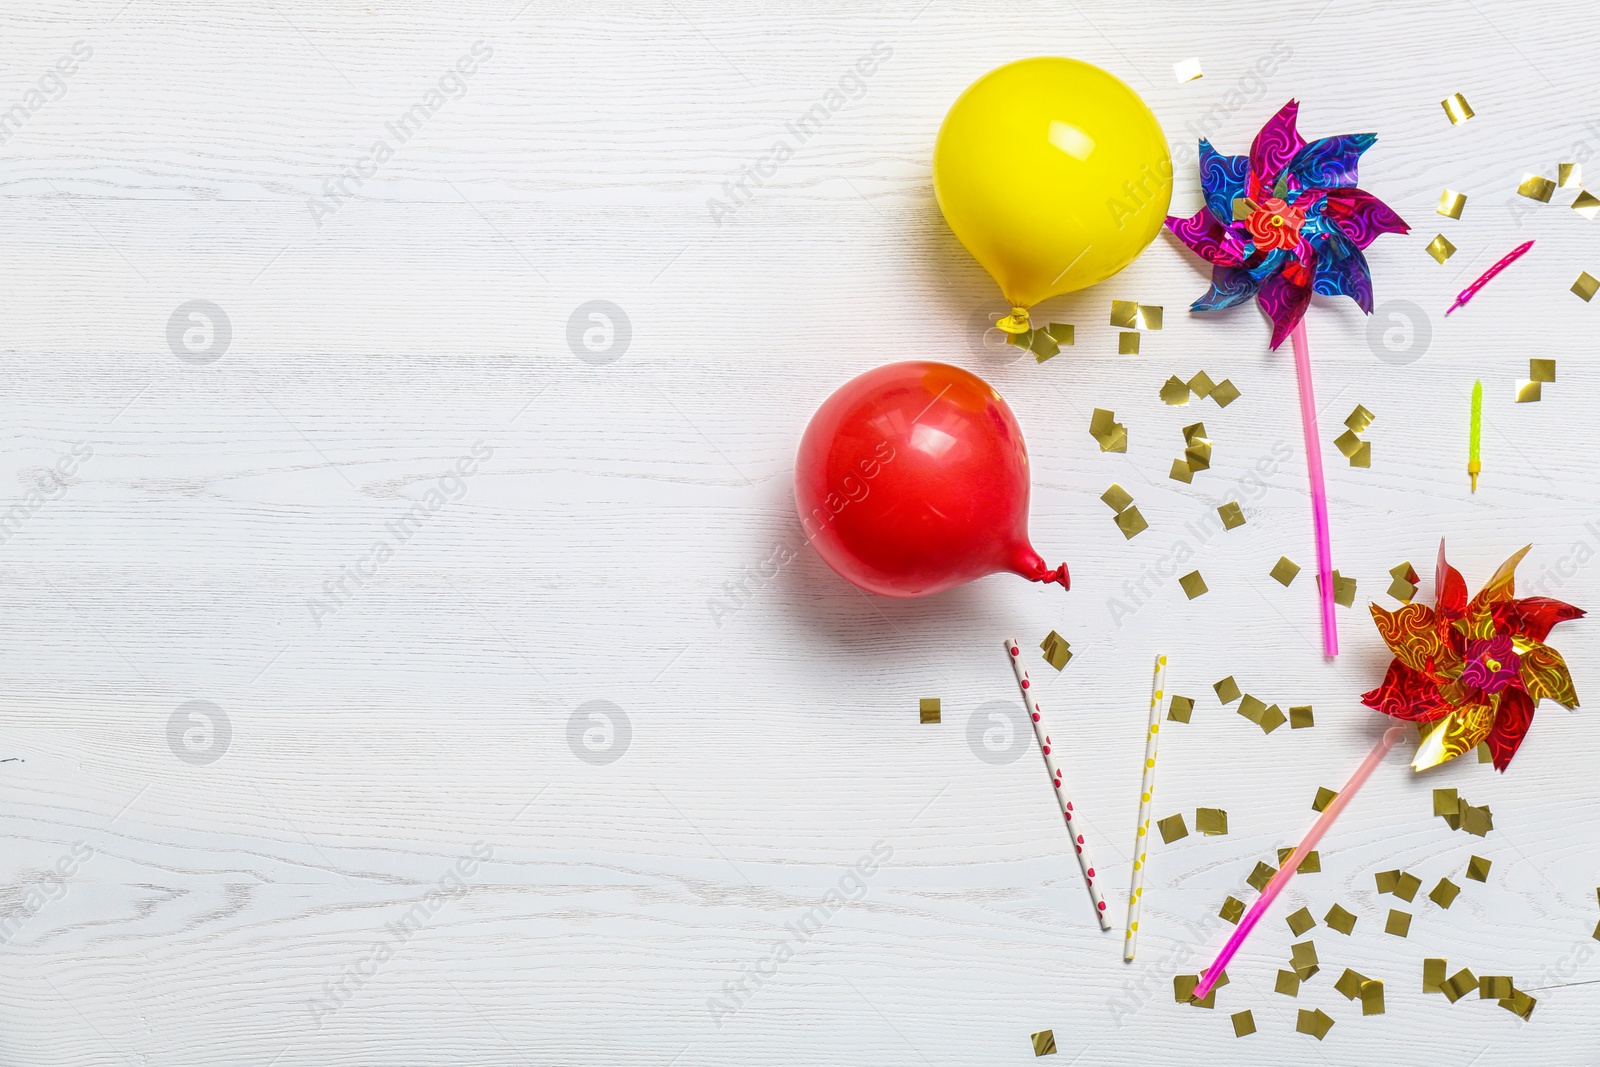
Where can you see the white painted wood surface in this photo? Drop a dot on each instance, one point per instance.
(598, 909)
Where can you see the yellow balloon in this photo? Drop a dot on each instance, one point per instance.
(1054, 174)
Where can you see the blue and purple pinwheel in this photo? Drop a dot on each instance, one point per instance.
(1286, 221)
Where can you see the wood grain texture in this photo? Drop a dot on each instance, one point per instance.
(400, 812)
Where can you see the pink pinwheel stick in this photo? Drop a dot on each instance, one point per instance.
(1390, 738)
(1319, 488)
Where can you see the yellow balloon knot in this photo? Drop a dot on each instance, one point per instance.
(1016, 322)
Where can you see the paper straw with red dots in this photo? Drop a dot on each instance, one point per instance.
(1074, 827)
(1147, 789)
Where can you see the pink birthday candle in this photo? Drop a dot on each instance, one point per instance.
(1390, 738)
(1319, 489)
(1483, 279)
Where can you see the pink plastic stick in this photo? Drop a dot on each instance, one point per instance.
(1319, 489)
(1390, 737)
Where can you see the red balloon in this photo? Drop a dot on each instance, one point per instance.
(913, 479)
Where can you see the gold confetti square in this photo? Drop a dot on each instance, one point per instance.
(1520, 1003)
(1444, 894)
(1112, 435)
(1211, 821)
(1128, 344)
(1284, 570)
(1586, 204)
(1116, 440)
(1528, 392)
(1271, 719)
(1063, 333)
(1193, 584)
(1569, 175)
(1349, 983)
(1195, 431)
(1251, 708)
(1300, 717)
(1316, 1023)
(1399, 923)
(1344, 590)
(1198, 454)
(1433, 975)
(1406, 886)
(1323, 799)
(1478, 868)
(1340, 920)
(1183, 986)
(1210, 1000)
(1402, 590)
(1231, 514)
(1148, 317)
(1360, 419)
(1042, 345)
(1172, 828)
(1440, 248)
(1131, 523)
(1224, 393)
(1312, 864)
(1124, 314)
(1451, 203)
(1303, 958)
(1232, 910)
(1117, 498)
(1187, 70)
(1243, 207)
(1227, 690)
(1362, 457)
(1446, 802)
(1181, 472)
(1300, 921)
(1180, 709)
(1542, 370)
(1288, 984)
(1455, 105)
(1494, 987)
(1244, 1024)
(1586, 286)
(1201, 384)
(1372, 997)
(1477, 820)
(1261, 876)
(1175, 392)
(1387, 880)
(928, 707)
(1347, 443)
(1537, 187)
(1459, 984)
(1057, 652)
(1044, 1043)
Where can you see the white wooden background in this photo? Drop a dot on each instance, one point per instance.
(427, 721)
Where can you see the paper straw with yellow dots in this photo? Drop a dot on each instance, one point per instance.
(1142, 842)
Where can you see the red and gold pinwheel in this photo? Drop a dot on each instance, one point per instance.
(1474, 669)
